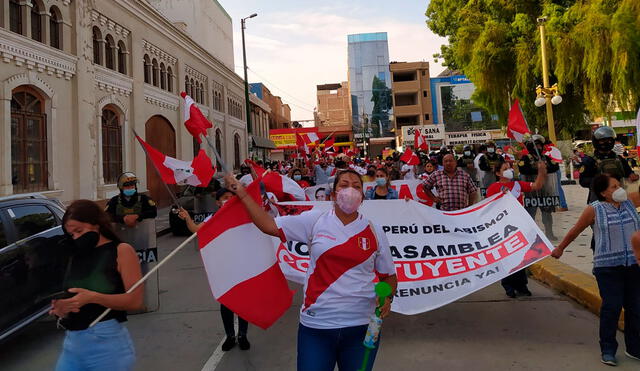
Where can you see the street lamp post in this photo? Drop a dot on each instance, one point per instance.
(246, 81)
(547, 94)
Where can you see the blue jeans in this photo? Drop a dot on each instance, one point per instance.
(321, 349)
(561, 197)
(106, 346)
(619, 287)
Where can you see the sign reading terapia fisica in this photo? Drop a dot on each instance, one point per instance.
(437, 133)
(439, 256)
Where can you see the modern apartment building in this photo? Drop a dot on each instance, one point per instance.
(369, 84)
(411, 95)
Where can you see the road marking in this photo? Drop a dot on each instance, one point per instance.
(216, 357)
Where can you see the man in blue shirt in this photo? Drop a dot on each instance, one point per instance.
(323, 172)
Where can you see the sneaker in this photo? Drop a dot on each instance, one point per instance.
(552, 237)
(229, 343)
(609, 360)
(243, 342)
(524, 292)
(631, 356)
(510, 293)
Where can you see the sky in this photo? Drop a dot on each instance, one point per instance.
(294, 45)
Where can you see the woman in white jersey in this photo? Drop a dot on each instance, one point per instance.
(347, 252)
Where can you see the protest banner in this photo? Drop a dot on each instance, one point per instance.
(439, 256)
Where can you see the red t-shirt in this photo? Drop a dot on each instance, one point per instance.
(517, 189)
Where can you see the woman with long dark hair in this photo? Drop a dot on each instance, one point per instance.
(100, 271)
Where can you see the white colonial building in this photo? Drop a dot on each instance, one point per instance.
(79, 76)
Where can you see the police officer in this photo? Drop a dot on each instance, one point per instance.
(604, 161)
(465, 162)
(529, 170)
(129, 207)
(443, 152)
(487, 163)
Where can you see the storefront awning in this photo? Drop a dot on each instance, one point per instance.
(263, 142)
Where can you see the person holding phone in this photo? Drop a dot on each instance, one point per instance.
(100, 271)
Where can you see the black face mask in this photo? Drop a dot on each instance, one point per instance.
(604, 145)
(87, 241)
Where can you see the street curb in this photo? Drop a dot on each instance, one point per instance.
(571, 282)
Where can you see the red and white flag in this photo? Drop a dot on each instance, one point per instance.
(301, 144)
(194, 120)
(328, 146)
(310, 137)
(553, 152)
(197, 173)
(241, 267)
(257, 168)
(283, 187)
(517, 125)
(419, 142)
(409, 157)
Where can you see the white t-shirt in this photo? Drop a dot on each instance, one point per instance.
(339, 289)
(410, 175)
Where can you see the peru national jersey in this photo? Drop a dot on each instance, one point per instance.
(517, 188)
(344, 261)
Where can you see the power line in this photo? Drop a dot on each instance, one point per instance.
(271, 84)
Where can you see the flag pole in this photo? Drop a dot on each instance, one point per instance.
(171, 193)
(146, 276)
(225, 169)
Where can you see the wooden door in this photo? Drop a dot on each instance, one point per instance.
(159, 133)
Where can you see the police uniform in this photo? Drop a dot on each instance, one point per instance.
(529, 170)
(465, 163)
(487, 163)
(609, 163)
(142, 205)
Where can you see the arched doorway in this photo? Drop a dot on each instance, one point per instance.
(159, 133)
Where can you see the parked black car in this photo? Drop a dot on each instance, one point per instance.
(34, 255)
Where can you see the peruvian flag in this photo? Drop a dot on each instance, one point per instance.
(419, 142)
(301, 144)
(517, 125)
(242, 270)
(553, 152)
(257, 168)
(194, 120)
(310, 138)
(409, 157)
(328, 145)
(283, 187)
(197, 173)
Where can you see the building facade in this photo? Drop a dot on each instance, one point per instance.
(411, 95)
(280, 116)
(369, 84)
(79, 77)
(261, 145)
(333, 114)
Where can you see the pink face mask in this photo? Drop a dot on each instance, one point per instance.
(348, 200)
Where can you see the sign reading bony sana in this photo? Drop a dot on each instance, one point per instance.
(439, 256)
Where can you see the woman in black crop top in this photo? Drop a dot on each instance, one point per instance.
(100, 272)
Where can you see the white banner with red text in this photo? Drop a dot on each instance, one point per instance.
(439, 256)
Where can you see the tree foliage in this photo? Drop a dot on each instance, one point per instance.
(593, 49)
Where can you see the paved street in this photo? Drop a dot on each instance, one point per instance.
(485, 331)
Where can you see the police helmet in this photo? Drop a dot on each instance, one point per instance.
(467, 148)
(604, 132)
(127, 179)
(490, 143)
(603, 139)
(538, 138)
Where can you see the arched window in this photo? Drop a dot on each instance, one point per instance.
(155, 72)
(197, 93)
(187, 85)
(147, 69)
(28, 141)
(219, 142)
(15, 16)
(109, 52)
(163, 77)
(236, 151)
(36, 23)
(55, 27)
(111, 145)
(97, 40)
(122, 58)
(202, 93)
(192, 93)
(169, 79)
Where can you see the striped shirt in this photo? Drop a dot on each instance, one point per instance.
(453, 191)
(612, 232)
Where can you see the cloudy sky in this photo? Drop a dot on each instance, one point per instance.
(294, 45)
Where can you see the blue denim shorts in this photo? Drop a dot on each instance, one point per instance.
(106, 346)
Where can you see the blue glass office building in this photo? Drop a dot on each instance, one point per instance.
(370, 83)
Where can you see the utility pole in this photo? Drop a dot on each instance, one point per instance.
(545, 80)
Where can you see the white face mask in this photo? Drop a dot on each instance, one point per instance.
(508, 174)
(467, 153)
(491, 149)
(619, 195)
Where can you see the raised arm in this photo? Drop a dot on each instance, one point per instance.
(586, 219)
(259, 216)
(542, 174)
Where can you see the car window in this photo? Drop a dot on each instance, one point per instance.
(3, 236)
(31, 219)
